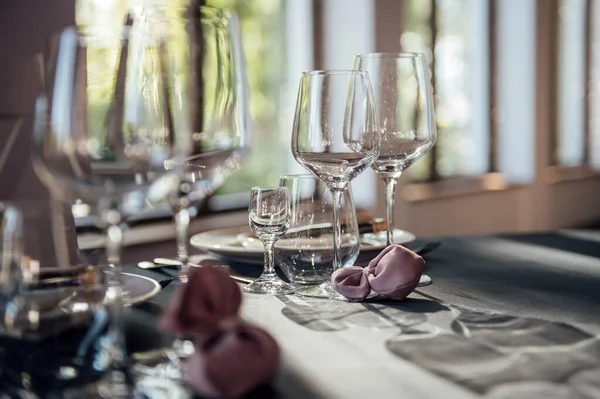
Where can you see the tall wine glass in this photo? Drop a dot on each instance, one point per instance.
(104, 132)
(208, 65)
(209, 55)
(336, 137)
(404, 100)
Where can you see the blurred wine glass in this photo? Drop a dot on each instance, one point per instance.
(208, 67)
(55, 339)
(404, 100)
(207, 52)
(336, 137)
(104, 134)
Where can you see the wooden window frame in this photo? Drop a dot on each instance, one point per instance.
(437, 188)
(556, 173)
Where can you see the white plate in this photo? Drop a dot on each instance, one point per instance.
(139, 288)
(238, 244)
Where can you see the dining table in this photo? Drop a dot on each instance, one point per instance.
(507, 316)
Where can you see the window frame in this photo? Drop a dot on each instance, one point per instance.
(555, 173)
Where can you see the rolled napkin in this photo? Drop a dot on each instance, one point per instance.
(238, 359)
(209, 298)
(351, 282)
(395, 272)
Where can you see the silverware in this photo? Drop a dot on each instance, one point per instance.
(163, 283)
(148, 265)
(167, 262)
(244, 280)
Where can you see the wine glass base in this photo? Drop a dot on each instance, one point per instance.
(424, 281)
(161, 383)
(325, 291)
(161, 374)
(272, 285)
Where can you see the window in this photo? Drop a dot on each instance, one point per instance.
(455, 35)
(572, 83)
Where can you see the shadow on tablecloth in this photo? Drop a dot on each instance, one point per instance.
(493, 355)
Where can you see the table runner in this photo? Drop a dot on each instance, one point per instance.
(507, 317)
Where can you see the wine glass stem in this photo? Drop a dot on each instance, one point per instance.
(337, 227)
(390, 190)
(114, 243)
(182, 225)
(269, 257)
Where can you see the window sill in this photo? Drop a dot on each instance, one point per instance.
(565, 174)
(455, 187)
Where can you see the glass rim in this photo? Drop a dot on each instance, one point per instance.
(264, 188)
(325, 72)
(298, 176)
(407, 54)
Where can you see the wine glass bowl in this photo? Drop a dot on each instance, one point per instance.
(101, 134)
(335, 132)
(404, 103)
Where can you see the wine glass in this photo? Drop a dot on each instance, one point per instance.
(304, 252)
(209, 58)
(269, 219)
(55, 339)
(208, 66)
(104, 133)
(404, 100)
(336, 137)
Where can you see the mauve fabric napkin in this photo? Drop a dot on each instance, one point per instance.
(230, 357)
(351, 282)
(238, 359)
(208, 297)
(394, 273)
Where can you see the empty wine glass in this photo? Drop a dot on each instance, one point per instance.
(208, 68)
(55, 339)
(404, 100)
(104, 133)
(336, 137)
(269, 219)
(209, 58)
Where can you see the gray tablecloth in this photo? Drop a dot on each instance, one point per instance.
(513, 316)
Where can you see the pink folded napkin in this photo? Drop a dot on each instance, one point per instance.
(351, 282)
(239, 359)
(209, 297)
(394, 273)
(230, 356)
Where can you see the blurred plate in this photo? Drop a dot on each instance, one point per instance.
(139, 288)
(239, 244)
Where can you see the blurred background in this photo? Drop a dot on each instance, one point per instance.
(516, 88)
